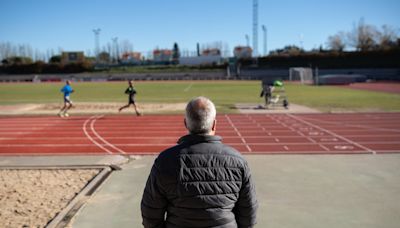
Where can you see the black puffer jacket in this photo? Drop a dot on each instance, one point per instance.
(199, 183)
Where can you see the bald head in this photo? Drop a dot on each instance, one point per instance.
(200, 116)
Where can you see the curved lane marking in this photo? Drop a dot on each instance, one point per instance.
(90, 137)
(101, 138)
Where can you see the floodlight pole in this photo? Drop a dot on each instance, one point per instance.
(265, 39)
(255, 27)
(115, 41)
(96, 42)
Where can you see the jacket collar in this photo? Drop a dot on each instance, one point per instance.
(193, 139)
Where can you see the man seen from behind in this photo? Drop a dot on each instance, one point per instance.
(200, 182)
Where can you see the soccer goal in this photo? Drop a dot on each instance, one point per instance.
(302, 74)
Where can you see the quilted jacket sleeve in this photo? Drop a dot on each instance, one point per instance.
(246, 207)
(154, 203)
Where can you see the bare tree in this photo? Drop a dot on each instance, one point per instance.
(125, 46)
(8, 50)
(221, 46)
(337, 42)
(363, 37)
(387, 37)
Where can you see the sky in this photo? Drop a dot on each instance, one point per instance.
(150, 24)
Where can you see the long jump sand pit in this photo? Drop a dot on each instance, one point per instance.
(41, 197)
(88, 108)
(146, 108)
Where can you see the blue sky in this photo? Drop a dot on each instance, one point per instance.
(68, 24)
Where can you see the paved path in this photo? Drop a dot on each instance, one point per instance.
(293, 191)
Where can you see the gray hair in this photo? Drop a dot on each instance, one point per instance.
(200, 115)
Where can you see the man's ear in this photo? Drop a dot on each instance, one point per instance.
(214, 127)
(184, 121)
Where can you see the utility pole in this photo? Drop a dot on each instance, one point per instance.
(255, 27)
(96, 42)
(265, 39)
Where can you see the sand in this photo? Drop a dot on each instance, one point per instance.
(32, 198)
(89, 108)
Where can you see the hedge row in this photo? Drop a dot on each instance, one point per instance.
(372, 59)
(43, 68)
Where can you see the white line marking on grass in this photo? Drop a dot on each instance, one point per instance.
(101, 138)
(238, 133)
(90, 137)
(188, 87)
(333, 133)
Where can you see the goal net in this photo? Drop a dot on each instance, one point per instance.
(302, 74)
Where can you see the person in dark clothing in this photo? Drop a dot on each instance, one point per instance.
(131, 92)
(200, 182)
(266, 92)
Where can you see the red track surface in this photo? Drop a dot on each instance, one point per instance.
(256, 134)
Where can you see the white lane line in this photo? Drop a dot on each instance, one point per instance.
(301, 133)
(353, 125)
(188, 87)
(90, 137)
(333, 133)
(101, 138)
(238, 133)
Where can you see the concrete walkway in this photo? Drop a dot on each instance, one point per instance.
(293, 191)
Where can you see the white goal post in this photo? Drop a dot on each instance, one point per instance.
(302, 74)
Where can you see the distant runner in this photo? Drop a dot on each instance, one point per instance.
(131, 92)
(67, 90)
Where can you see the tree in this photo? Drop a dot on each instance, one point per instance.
(337, 42)
(104, 57)
(363, 37)
(288, 50)
(125, 46)
(55, 59)
(175, 54)
(387, 37)
(17, 60)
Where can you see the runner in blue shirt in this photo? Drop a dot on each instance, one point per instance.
(67, 90)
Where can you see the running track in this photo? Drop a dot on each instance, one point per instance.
(372, 133)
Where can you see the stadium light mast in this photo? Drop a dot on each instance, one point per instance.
(255, 27)
(96, 42)
(301, 39)
(265, 39)
(116, 52)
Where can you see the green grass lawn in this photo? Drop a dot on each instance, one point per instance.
(224, 93)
